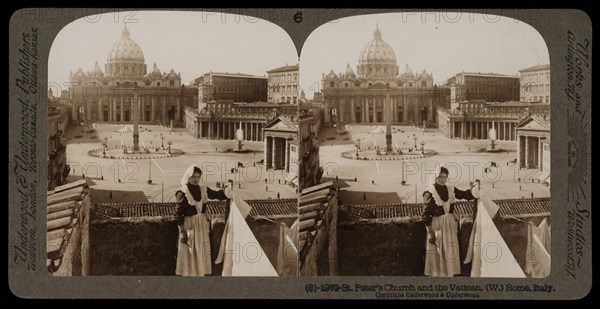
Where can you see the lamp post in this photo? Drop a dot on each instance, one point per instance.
(150, 171)
(104, 146)
(423, 147)
(162, 142)
(403, 181)
(415, 138)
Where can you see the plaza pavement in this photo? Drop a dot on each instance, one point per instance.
(165, 173)
(381, 181)
(377, 181)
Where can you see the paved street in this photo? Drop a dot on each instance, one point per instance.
(210, 155)
(381, 181)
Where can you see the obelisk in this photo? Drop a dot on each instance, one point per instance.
(136, 134)
(388, 122)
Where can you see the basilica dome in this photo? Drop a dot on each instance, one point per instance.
(377, 51)
(125, 58)
(377, 59)
(125, 49)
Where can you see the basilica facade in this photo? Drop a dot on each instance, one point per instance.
(109, 95)
(359, 97)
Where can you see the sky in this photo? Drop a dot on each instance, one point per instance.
(441, 43)
(192, 43)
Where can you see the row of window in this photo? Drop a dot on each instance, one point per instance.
(404, 85)
(238, 84)
(477, 109)
(536, 76)
(284, 77)
(399, 107)
(542, 99)
(378, 71)
(487, 83)
(127, 106)
(126, 69)
(491, 88)
(544, 87)
(222, 90)
(287, 100)
(220, 108)
(285, 89)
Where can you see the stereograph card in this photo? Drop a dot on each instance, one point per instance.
(356, 153)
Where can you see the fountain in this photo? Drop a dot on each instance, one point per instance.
(239, 137)
(492, 137)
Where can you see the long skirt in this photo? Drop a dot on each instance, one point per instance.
(193, 258)
(442, 259)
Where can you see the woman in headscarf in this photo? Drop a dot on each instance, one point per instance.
(442, 256)
(193, 252)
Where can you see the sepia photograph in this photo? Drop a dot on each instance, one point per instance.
(432, 147)
(309, 153)
(172, 146)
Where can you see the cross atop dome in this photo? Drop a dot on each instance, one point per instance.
(377, 33)
(125, 33)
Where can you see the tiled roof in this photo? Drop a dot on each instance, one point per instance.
(128, 210)
(490, 74)
(284, 69)
(262, 104)
(62, 221)
(354, 215)
(265, 208)
(512, 104)
(277, 207)
(536, 68)
(243, 75)
(384, 211)
(516, 207)
(508, 207)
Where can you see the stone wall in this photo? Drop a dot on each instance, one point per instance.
(396, 247)
(374, 247)
(381, 247)
(133, 247)
(148, 246)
